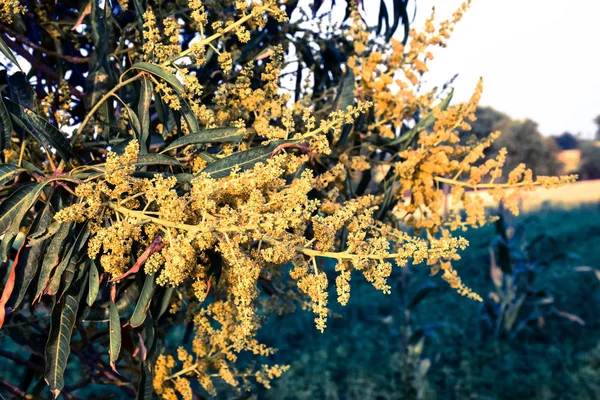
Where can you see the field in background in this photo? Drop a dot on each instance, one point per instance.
(574, 194)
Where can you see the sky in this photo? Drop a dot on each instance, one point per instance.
(540, 59)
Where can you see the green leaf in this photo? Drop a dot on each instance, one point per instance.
(161, 73)
(165, 302)
(165, 115)
(172, 80)
(188, 115)
(144, 113)
(64, 273)
(8, 53)
(115, 335)
(217, 135)
(130, 294)
(6, 126)
(242, 159)
(156, 159)
(58, 346)
(145, 390)
(21, 91)
(47, 134)
(346, 92)
(8, 172)
(54, 284)
(93, 284)
(12, 205)
(30, 260)
(97, 84)
(52, 256)
(139, 314)
(14, 208)
(135, 122)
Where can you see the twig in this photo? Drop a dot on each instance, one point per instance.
(41, 67)
(20, 361)
(14, 390)
(27, 42)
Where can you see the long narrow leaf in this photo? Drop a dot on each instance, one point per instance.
(6, 126)
(217, 135)
(46, 133)
(52, 257)
(144, 113)
(93, 284)
(156, 159)
(8, 53)
(243, 160)
(14, 205)
(58, 346)
(115, 335)
(161, 73)
(29, 262)
(139, 314)
(8, 172)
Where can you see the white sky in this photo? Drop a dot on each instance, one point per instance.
(540, 59)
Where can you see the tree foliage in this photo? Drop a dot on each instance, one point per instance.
(522, 139)
(159, 177)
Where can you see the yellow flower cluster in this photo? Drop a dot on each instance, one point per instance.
(228, 241)
(8, 8)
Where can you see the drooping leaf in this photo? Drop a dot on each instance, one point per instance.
(11, 206)
(58, 346)
(54, 283)
(134, 121)
(127, 299)
(21, 91)
(47, 134)
(144, 113)
(400, 14)
(93, 284)
(64, 273)
(172, 80)
(52, 256)
(97, 84)
(115, 335)
(9, 286)
(346, 92)
(242, 159)
(156, 159)
(383, 18)
(165, 302)
(9, 172)
(6, 126)
(139, 314)
(42, 234)
(145, 391)
(29, 262)
(13, 211)
(217, 135)
(165, 115)
(8, 53)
